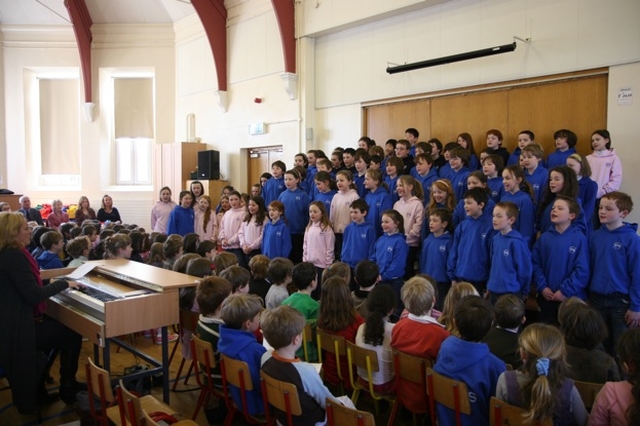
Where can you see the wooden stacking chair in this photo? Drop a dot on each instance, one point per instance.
(204, 359)
(307, 336)
(236, 373)
(132, 407)
(588, 392)
(366, 359)
(188, 322)
(149, 421)
(281, 395)
(503, 414)
(410, 368)
(451, 393)
(339, 415)
(335, 347)
(99, 387)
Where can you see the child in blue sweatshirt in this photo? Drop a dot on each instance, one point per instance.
(426, 174)
(324, 189)
(476, 179)
(182, 217)
(469, 257)
(459, 160)
(241, 316)
(565, 141)
(615, 267)
(377, 198)
(391, 251)
(519, 192)
(274, 186)
(560, 260)
(296, 204)
(359, 236)
(53, 243)
(510, 256)
(276, 237)
(534, 172)
(492, 166)
(435, 251)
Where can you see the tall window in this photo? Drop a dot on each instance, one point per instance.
(134, 130)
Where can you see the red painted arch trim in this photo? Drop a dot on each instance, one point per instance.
(285, 15)
(213, 15)
(81, 21)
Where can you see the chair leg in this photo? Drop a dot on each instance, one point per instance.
(201, 399)
(394, 412)
(175, 382)
(186, 379)
(173, 351)
(355, 395)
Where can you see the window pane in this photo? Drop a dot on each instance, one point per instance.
(142, 161)
(124, 163)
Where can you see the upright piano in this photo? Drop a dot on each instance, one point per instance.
(120, 297)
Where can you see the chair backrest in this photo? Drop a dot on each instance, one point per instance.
(130, 407)
(203, 353)
(588, 392)
(411, 367)
(236, 372)
(100, 382)
(148, 421)
(501, 414)
(451, 393)
(189, 320)
(338, 415)
(282, 395)
(363, 357)
(307, 336)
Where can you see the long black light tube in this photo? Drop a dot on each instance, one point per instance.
(453, 58)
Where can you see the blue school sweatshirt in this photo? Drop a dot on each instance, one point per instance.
(445, 171)
(474, 163)
(311, 179)
(459, 182)
(433, 257)
(49, 260)
(525, 224)
(359, 182)
(469, 256)
(588, 192)
(561, 262)
(426, 181)
(391, 184)
(272, 189)
(510, 264)
(538, 180)
(358, 243)
(544, 221)
(390, 254)
(473, 364)
(326, 198)
(514, 158)
(496, 187)
(181, 221)
(459, 214)
(243, 345)
(615, 262)
(296, 209)
(276, 239)
(559, 158)
(378, 202)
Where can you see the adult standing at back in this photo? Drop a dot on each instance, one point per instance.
(32, 215)
(108, 212)
(25, 330)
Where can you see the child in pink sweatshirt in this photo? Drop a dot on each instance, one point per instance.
(410, 207)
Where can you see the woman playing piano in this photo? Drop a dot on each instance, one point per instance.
(27, 335)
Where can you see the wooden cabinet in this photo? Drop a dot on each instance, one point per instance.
(212, 188)
(12, 199)
(173, 164)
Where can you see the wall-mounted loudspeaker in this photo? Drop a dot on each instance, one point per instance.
(209, 165)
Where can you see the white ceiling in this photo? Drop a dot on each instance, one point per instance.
(53, 12)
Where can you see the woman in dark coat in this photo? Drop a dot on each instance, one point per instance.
(26, 333)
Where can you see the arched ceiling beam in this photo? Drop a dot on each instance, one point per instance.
(213, 15)
(82, 23)
(285, 15)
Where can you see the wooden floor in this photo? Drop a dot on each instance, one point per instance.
(183, 401)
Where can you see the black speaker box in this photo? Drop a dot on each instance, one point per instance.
(209, 165)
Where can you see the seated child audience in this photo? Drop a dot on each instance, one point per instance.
(541, 387)
(241, 316)
(618, 403)
(502, 339)
(457, 292)
(259, 266)
(282, 328)
(375, 334)
(210, 294)
(584, 331)
(303, 276)
(279, 273)
(238, 277)
(172, 250)
(366, 276)
(156, 257)
(78, 249)
(468, 360)
(337, 316)
(419, 334)
(52, 243)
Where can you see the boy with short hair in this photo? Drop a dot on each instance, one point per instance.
(361, 161)
(459, 162)
(366, 276)
(241, 316)
(560, 260)
(359, 236)
(445, 171)
(502, 339)
(418, 334)
(425, 173)
(615, 267)
(492, 166)
(52, 243)
(394, 170)
(274, 186)
(304, 277)
(402, 152)
(412, 135)
(376, 162)
(239, 278)
(279, 273)
(494, 142)
(78, 249)
(534, 171)
(436, 151)
(565, 141)
(259, 266)
(435, 252)
(525, 138)
(468, 360)
(470, 251)
(348, 159)
(510, 255)
(282, 328)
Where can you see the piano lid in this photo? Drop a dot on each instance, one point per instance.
(147, 276)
